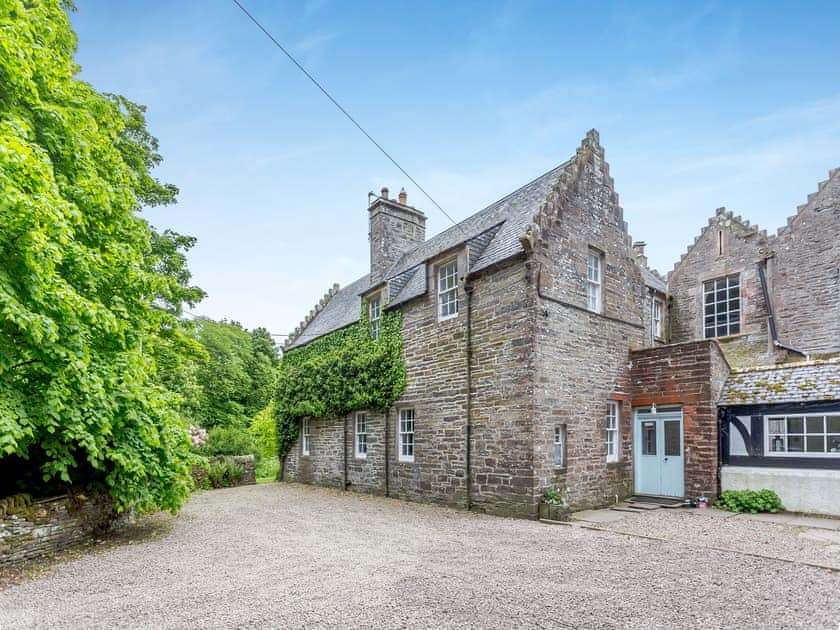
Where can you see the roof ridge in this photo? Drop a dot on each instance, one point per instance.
(461, 224)
(784, 366)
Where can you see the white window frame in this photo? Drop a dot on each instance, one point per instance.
(447, 293)
(613, 437)
(306, 437)
(721, 308)
(374, 315)
(656, 309)
(595, 281)
(405, 438)
(559, 454)
(784, 416)
(360, 436)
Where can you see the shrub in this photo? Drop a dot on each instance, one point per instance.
(224, 473)
(228, 441)
(263, 430)
(267, 469)
(751, 501)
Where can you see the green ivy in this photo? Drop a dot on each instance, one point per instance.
(339, 373)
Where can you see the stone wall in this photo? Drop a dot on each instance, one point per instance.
(36, 529)
(806, 273)
(581, 356)
(727, 245)
(435, 356)
(690, 375)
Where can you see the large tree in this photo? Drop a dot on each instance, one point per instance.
(237, 379)
(89, 292)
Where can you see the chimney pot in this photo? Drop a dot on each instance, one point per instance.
(384, 193)
(403, 197)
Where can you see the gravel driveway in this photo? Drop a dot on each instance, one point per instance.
(282, 555)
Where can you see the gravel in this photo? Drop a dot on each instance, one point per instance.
(284, 555)
(725, 530)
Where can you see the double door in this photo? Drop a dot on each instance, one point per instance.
(659, 467)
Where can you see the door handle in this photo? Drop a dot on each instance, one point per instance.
(666, 459)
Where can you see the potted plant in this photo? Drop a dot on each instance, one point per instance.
(553, 506)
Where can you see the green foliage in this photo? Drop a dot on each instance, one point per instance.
(267, 469)
(228, 441)
(339, 373)
(264, 433)
(553, 497)
(752, 501)
(89, 292)
(237, 376)
(224, 473)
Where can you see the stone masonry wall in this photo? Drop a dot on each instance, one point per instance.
(504, 312)
(806, 273)
(581, 356)
(393, 230)
(690, 375)
(744, 246)
(34, 530)
(435, 356)
(324, 465)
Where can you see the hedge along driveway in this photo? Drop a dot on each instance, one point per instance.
(284, 555)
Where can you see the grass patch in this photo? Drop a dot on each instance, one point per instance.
(267, 469)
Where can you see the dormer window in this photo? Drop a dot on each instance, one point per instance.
(374, 315)
(448, 290)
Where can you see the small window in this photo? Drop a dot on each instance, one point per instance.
(722, 306)
(361, 436)
(656, 320)
(306, 442)
(649, 437)
(594, 282)
(374, 314)
(560, 446)
(612, 432)
(814, 435)
(405, 436)
(448, 290)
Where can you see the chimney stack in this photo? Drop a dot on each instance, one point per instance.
(395, 228)
(639, 249)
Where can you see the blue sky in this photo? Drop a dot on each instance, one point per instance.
(699, 105)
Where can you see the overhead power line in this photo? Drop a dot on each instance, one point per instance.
(342, 110)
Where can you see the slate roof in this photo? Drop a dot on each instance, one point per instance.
(492, 235)
(652, 280)
(342, 310)
(796, 382)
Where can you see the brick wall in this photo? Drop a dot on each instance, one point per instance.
(690, 375)
(581, 357)
(806, 273)
(34, 530)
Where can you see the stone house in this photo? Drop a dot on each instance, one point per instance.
(541, 352)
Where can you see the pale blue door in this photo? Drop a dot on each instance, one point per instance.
(658, 448)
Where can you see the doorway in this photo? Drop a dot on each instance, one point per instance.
(658, 453)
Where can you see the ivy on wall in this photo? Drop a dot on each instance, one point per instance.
(339, 373)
